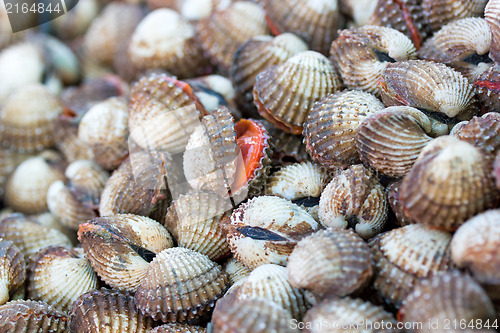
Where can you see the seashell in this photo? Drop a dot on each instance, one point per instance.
(180, 285)
(447, 297)
(340, 263)
(253, 315)
(487, 89)
(256, 55)
(265, 230)
(27, 119)
(77, 21)
(361, 54)
(120, 247)
(287, 148)
(66, 139)
(463, 44)
(178, 328)
(359, 11)
(9, 160)
(403, 256)
(47, 219)
(221, 33)
(195, 219)
(12, 271)
(340, 314)
(213, 91)
(491, 16)
(284, 93)
(8, 36)
(32, 316)
(355, 199)
(439, 13)
(455, 183)
(316, 22)
(331, 127)
(58, 276)
(107, 311)
(236, 270)
(393, 197)
(165, 39)
(86, 179)
(391, 140)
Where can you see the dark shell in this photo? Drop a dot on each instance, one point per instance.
(32, 316)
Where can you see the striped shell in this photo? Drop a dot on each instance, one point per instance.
(12, 270)
(491, 15)
(32, 316)
(236, 270)
(393, 195)
(178, 328)
(66, 139)
(287, 148)
(441, 12)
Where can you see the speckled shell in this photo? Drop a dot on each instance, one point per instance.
(358, 10)
(361, 54)
(448, 297)
(491, 15)
(256, 55)
(251, 316)
(236, 270)
(454, 183)
(221, 33)
(104, 128)
(354, 198)
(487, 88)
(392, 192)
(336, 315)
(332, 124)
(391, 140)
(27, 119)
(165, 39)
(12, 270)
(265, 230)
(107, 311)
(195, 219)
(58, 276)
(120, 247)
(404, 256)
(463, 44)
(32, 316)
(180, 284)
(287, 148)
(178, 328)
(441, 12)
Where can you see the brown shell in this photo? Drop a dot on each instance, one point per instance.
(332, 124)
(86, 179)
(180, 284)
(120, 247)
(210, 87)
(487, 88)
(391, 140)
(330, 263)
(454, 183)
(438, 13)
(287, 148)
(393, 197)
(9, 160)
(355, 199)
(491, 15)
(107, 311)
(404, 256)
(359, 11)
(66, 139)
(178, 328)
(12, 270)
(285, 93)
(236, 270)
(32, 316)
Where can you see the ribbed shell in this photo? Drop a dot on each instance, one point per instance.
(195, 219)
(178, 328)
(487, 88)
(344, 315)
(361, 54)
(441, 12)
(405, 255)
(236, 270)
(58, 276)
(32, 316)
(180, 284)
(66, 139)
(12, 270)
(392, 192)
(265, 230)
(107, 311)
(120, 247)
(285, 146)
(358, 10)
(354, 198)
(86, 179)
(491, 15)
(330, 263)
(391, 140)
(454, 183)
(285, 93)
(332, 124)
(9, 160)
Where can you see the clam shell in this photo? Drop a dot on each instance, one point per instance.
(107, 311)
(287, 148)
(58, 276)
(354, 198)
(285, 93)
(487, 89)
(331, 127)
(404, 256)
(393, 195)
(391, 140)
(77, 21)
(207, 87)
(491, 15)
(340, 263)
(120, 247)
(32, 316)
(86, 179)
(236, 270)
(9, 160)
(178, 328)
(439, 13)
(180, 284)
(358, 10)
(455, 183)
(12, 270)
(66, 139)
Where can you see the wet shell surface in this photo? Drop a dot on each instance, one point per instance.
(404, 256)
(330, 263)
(180, 284)
(236, 270)
(265, 230)
(285, 93)
(178, 328)
(455, 183)
(332, 124)
(107, 311)
(12, 270)
(355, 199)
(32, 316)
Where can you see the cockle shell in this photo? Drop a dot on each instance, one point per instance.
(9, 160)
(236, 270)
(66, 139)
(209, 88)
(287, 148)
(441, 12)
(12, 270)
(32, 316)
(491, 16)
(180, 284)
(86, 179)
(178, 328)
(284, 93)
(393, 195)
(77, 21)
(487, 88)
(354, 198)
(331, 127)
(358, 10)
(391, 140)
(404, 256)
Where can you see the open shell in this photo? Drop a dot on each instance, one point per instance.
(32, 316)
(12, 270)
